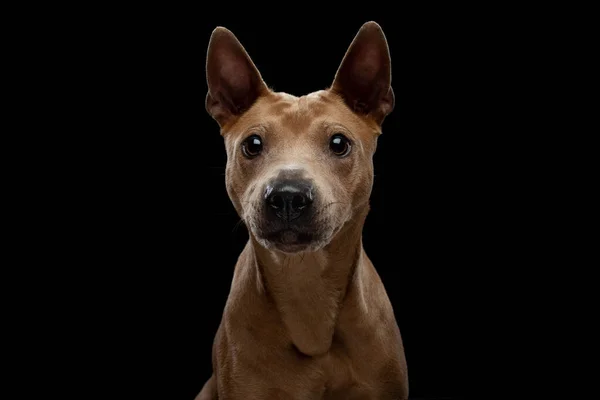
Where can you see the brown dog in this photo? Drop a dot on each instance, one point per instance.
(307, 316)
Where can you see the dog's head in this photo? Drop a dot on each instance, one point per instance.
(299, 168)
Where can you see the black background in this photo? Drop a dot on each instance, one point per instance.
(165, 231)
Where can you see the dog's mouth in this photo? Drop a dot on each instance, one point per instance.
(290, 240)
(308, 232)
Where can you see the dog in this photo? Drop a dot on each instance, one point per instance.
(307, 316)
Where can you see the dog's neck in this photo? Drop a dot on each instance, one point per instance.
(308, 289)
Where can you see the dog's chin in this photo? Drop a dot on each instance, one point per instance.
(292, 241)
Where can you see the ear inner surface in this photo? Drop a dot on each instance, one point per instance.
(234, 82)
(363, 79)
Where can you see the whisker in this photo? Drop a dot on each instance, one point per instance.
(237, 225)
(326, 206)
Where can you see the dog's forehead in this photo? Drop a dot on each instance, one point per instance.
(290, 114)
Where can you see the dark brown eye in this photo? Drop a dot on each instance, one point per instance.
(252, 146)
(340, 145)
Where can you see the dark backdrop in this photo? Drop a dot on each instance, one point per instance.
(171, 241)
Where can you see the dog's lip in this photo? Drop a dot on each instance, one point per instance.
(291, 248)
(290, 237)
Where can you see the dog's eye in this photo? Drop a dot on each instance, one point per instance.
(252, 146)
(340, 145)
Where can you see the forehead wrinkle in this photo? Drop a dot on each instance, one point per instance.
(281, 106)
(302, 114)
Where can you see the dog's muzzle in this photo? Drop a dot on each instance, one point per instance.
(288, 220)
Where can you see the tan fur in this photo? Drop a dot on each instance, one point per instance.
(317, 323)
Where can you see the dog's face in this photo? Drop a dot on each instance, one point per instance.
(298, 168)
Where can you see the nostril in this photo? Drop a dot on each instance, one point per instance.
(299, 202)
(276, 201)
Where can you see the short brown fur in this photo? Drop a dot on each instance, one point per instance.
(305, 321)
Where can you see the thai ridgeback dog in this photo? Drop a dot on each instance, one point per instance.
(307, 316)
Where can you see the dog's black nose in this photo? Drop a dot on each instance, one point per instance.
(288, 199)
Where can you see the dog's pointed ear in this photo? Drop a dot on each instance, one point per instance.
(364, 77)
(234, 82)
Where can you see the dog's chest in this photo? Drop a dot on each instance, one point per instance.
(342, 380)
(338, 369)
